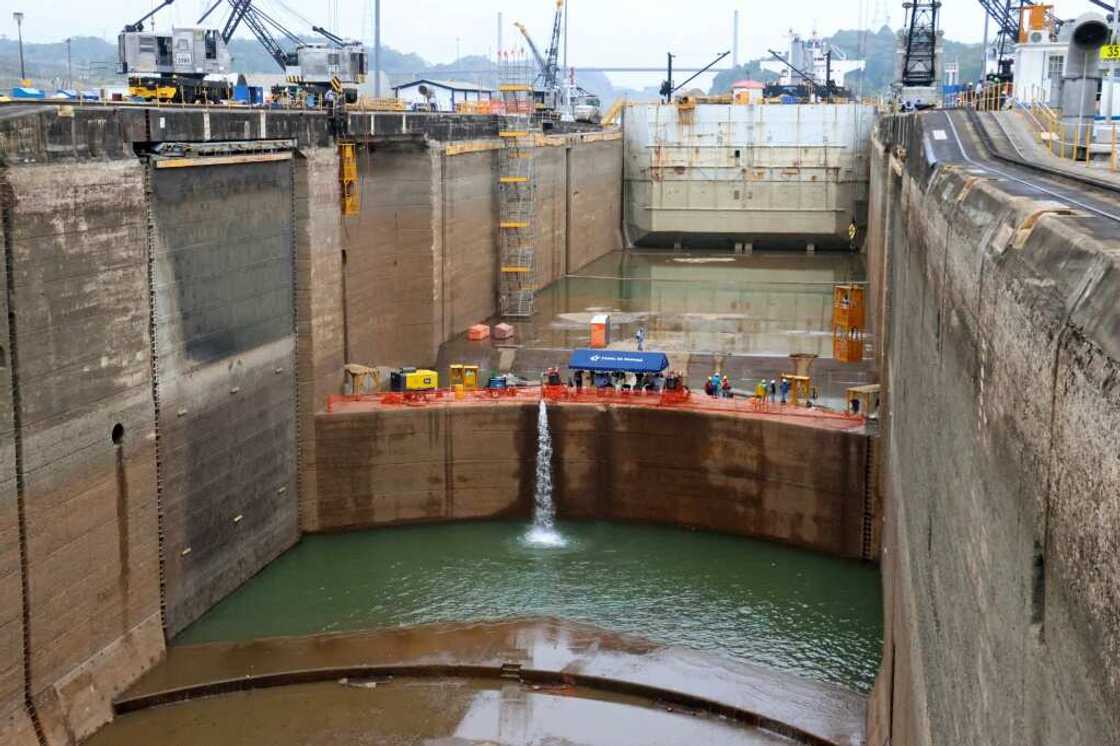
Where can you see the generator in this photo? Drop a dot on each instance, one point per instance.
(465, 376)
(404, 380)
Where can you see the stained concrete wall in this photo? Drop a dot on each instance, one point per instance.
(320, 336)
(594, 202)
(80, 309)
(467, 278)
(422, 257)
(14, 722)
(1001, 562)
(723, 473)
(388, 268)
(222, 281)
(239, 271)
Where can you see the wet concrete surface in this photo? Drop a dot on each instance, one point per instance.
(402, 711)
(825, 711)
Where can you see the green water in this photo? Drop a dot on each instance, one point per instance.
(785, 608)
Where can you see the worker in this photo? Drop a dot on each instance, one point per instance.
(773, 391)
(786, 386)
(579, 381)
(760, 390)
(853, 230)
(725, 388)
(709, 387)
(640, 335)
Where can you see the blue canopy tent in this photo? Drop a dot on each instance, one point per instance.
(620, 360)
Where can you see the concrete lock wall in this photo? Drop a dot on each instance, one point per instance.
(204, 309)
(76, 250)
(222, 281)
(422, 257)
(723, 473)
(1001, 567)
(103, 249)
(14, 723)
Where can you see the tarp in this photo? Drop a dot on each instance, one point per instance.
(622, 360)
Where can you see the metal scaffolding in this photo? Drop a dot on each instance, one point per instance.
(517, 188)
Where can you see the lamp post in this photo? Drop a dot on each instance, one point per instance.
(19, 30)
(69, 66)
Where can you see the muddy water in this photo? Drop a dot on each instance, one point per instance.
(450, 713)
(763, 304)
(781, 607)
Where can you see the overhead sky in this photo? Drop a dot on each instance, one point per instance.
(602, 32)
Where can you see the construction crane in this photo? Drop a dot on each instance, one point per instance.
(917, 87)
(173, 66)
(548, 64)
(919, 58)
(551, 70)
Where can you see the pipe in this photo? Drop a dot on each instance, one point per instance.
(1082, 75)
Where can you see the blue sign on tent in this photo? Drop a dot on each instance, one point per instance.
(621, 360)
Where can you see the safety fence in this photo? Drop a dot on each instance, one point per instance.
(1090, 142)
(686, 400)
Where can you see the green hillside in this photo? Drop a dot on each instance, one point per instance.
(879, 49)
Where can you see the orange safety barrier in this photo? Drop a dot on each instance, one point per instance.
(681, 399)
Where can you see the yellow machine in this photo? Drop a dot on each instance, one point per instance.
(465, 376)
(800, 388)
(411, 379)
(421, 380)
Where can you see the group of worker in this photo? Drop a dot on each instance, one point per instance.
(617, 380)
(718, 386)
(764, 391)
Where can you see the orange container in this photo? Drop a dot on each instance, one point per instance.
(478, 332)
(600, 330)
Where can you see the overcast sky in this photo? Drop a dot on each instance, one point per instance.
(602, 32)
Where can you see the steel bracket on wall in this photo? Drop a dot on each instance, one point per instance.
(187, 154)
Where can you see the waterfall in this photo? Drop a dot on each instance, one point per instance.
(543, 531)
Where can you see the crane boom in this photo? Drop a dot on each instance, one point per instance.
(551, 70)
(139, 25)
(532, 47)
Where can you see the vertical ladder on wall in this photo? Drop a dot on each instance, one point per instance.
(517, 283)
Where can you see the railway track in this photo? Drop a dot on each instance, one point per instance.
(1084, 192)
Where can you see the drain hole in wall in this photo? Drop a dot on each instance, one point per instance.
(1038, 588)
(118, 434)
(3, 357)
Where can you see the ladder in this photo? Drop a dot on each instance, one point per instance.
(517, 282)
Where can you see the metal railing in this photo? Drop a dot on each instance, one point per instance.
(686, 400)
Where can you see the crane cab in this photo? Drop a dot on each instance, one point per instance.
(193, 52)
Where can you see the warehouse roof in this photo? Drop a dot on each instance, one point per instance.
(451, 85)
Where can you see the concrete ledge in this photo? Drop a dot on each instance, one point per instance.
(762, 476)
(535, 651)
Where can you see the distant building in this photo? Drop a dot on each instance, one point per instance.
(747, 91)
(444, 94)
